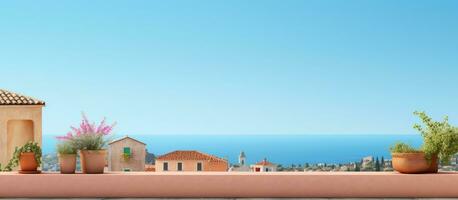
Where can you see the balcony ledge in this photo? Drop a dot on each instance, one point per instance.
(230, 185)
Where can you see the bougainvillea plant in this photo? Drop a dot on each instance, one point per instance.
(89, 136)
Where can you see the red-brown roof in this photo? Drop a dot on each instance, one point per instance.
(150, 168)
(189, 155)
(10, 98)
(265, 163)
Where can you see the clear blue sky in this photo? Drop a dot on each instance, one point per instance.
(234, 67)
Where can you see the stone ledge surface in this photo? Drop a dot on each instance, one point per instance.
(230, 185)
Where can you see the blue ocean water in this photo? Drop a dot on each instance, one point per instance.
(280, 149)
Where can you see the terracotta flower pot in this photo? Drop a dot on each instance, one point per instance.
(414, 163)
(67, 163)
(93, 161)
(27, 162)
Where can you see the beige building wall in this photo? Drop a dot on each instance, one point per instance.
(264, 168)
(135, 163)
(18, 125)
(191, 165)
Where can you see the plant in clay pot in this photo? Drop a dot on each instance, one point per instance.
(91, 140)
(28, 157)
(409, 160)
(440, 143)
(67, 155)
(126, 157)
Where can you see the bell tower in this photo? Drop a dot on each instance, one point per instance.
(242, 158)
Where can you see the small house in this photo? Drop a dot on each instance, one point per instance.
(264, 166)
(20, 122)
(126, 154)
(190, 161)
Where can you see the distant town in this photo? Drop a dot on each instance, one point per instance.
(21, 124)
(128, 154)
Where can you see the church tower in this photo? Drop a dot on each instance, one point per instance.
(242, 158)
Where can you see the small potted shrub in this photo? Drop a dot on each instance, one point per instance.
(440, 143)
(90, 139)
(28, 157)
(67, 155)
(409, 160)
(126, 157)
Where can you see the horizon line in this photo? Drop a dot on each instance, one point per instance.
(257, 134)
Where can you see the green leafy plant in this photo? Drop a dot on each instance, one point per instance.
(66, 147)
(126, 156)
(29, 147)
(401, 147)
(439, 137)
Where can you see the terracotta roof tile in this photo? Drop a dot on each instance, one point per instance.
(265, 163)
(11, 98)
(189, 155)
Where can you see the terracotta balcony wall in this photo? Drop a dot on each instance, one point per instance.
(230, 184)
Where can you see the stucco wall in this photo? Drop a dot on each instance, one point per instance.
(135, 163)
(191, 165)
(230, 185)
(263, 168)
(19, 132)
(18, 113)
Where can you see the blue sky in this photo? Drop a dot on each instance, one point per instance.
(234, 67)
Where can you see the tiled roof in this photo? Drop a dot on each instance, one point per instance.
(265, 163)
(189, 155)
(126, 137)
(11, 98)
(150, 168)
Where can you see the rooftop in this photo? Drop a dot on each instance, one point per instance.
(11, 98)
(126, 137)
(265, 163)
(189, 155)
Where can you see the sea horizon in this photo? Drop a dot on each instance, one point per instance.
(280, 149)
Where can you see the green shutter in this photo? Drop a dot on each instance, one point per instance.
(127, 151)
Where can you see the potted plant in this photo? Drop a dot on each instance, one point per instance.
(440, 143)
(67, 156)
(126, 156)
(90, 139)
(28, 157)
(409, 160)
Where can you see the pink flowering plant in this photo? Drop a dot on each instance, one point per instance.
(88, 136)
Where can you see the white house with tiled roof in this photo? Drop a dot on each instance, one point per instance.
(190, 161)
(264, 166)
(20, 122)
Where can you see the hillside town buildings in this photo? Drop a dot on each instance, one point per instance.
(241, 166)
(367, 162)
